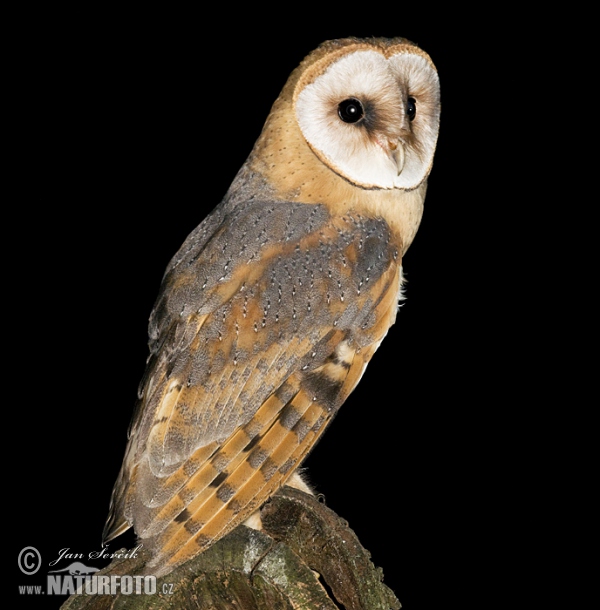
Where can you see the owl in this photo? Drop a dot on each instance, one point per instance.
(274, 305)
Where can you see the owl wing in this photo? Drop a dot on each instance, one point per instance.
(265, 322)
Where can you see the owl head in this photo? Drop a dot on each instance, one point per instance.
(368, 109)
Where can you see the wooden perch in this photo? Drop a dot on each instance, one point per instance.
(307, 558)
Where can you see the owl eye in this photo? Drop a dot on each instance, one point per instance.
(351, 110)
(411, 108)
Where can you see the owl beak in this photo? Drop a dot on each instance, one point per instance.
(396, 154)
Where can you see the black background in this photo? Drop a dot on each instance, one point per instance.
(114, 116)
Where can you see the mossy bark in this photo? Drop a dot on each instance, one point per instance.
(306, 558)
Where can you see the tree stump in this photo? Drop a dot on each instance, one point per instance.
(306, 558)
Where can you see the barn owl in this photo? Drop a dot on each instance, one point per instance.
(272, 308)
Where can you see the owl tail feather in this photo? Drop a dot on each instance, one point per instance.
(115, 526)
(116, 522)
